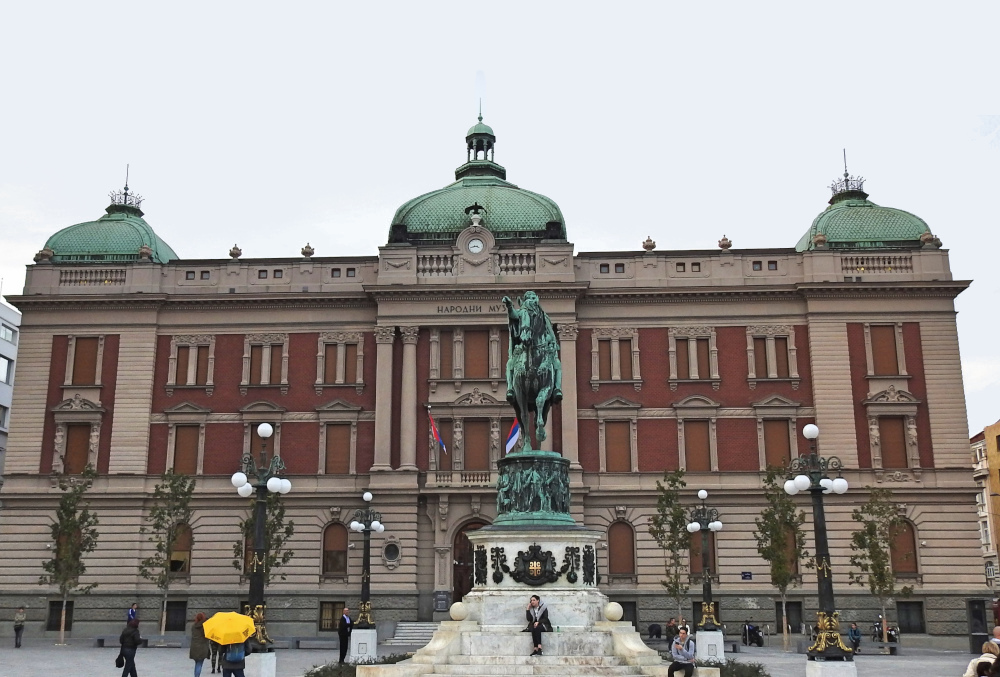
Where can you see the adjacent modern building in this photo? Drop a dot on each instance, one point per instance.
(986, 456)
(10, 321)
(136, 360)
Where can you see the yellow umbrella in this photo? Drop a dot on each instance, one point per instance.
(229, 627)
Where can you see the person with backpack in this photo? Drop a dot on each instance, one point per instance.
(234, 657)
(682, 651)
(130, 641)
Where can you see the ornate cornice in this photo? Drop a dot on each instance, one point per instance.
(341, 336)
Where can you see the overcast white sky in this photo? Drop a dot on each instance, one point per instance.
(271, 125)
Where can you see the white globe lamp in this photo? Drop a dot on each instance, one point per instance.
(245, 490)
(790, 488)
(839, 485)
(810, 432)
(802, 482)
(239, 479)
(703, 494)
(264, 430)
(274, 484)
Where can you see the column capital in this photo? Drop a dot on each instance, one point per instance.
(568, 331)
(385, 334)
(410, 334)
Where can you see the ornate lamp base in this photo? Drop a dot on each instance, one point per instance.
(708, 619)
(364, 619)
(829, 644)
(260, 626)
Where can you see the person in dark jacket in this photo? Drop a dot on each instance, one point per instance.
(199, 645)
(344, 628)
(130, 641)
(234, 668)
(854, 635)
(19, 618)
(538, 622)
(216, 650)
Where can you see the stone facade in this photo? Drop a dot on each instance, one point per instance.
(788, 336)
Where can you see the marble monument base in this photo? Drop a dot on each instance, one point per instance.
(710, 646)
(831, 669)
(261, 665)
(364, 645)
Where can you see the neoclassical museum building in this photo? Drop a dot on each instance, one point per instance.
(137, 360)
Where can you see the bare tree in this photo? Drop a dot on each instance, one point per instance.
(669, 527)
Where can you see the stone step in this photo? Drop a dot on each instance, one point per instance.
(413, 634)
(555, 643)
(462, 661)
(536, 666)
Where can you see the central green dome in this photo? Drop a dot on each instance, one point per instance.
(480, 187)
(116, 236)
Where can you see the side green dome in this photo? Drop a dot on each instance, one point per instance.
(116, 236)
(480, 187)
(852, 221)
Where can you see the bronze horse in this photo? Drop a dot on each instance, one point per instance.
(534, 375)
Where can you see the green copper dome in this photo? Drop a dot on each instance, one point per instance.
(480, 128)
(116, 236)
(481, 187)
(852, 221)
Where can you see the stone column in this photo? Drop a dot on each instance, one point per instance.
(384, 337)
(567, 355)
(408, 401)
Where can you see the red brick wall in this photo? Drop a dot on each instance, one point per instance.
(224, 448)
(57, 373)
(914, 354)
(859, 390)
(366, 446)
(657, 439)
(156, 463)
(736, 444)
(589, 447)
(109, 379)
(300, 447)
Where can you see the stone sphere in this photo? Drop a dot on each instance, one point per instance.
(459, 612)
(613, 611)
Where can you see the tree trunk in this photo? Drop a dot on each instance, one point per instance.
(62, 620)
(163, 611)
(785, 640)
(885, 625)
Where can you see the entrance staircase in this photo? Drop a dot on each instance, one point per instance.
(467, 649)
(413, 634)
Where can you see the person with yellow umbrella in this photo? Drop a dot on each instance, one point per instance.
(233, 631)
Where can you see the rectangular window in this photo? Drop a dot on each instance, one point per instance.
(8, 334)
(176, 616)
(275, 372)
(772, 265)
(697, 450)
(695, 267)
(604, 360)
(777, 448)
(605, 268)
(6, 369)
(477, 444)
(757, 265)
(683, 359)
(335, 272)
(186, 449)
(189, 275)
(681, 267)
(781, 355)
(351, 363)
(619, 267)
(338, 449)
(261, 274)
(911, 617)
(4, 414)
(446, 431)
(77, 448)
(884, 359)
(273, 367)
(256, 356)
(201, 370)
(55, 614)
(351, 272)
(278, 274)
(329, 363)
(625, 358)
(205, 275)
(892, 435)
(85, 361)
(447, 349)
(617, 449)
(477, 354)
(703, 361)
(760, 357)
(184, 356)
(329, 615)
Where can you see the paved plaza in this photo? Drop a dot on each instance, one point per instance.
(83, 660)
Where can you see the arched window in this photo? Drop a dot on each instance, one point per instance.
(621, 549)
(695, 567)
(180, 551)
(903, 552)
(335, 550)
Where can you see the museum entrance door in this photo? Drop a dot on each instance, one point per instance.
(463, 561)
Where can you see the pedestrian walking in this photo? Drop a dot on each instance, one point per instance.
(234, 659)
(130, 641)
(216, 650)
(199, 644)
(19, 618)
(133, 613)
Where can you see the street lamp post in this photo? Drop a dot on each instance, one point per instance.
(705, 520)
(810, 474)
(267, 480)
(366, 521)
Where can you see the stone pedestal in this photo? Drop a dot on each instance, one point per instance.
(831, 669)
(364, 645)
(710, 646)
(261, 665)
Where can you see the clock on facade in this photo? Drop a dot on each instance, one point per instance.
(475, 245)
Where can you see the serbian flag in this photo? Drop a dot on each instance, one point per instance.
(513, 436)
(434, 431)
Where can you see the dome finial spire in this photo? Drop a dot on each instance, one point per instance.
(480, 109)
(848, 184)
